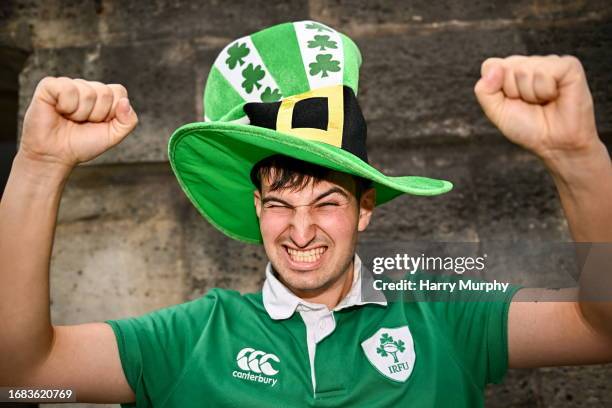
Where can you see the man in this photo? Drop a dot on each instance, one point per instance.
(282, 161)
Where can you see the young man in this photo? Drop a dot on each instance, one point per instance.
(282, 161)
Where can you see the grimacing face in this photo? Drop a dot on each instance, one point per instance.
(310, 235)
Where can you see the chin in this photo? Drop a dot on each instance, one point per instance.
(303, 280)
(304, 286)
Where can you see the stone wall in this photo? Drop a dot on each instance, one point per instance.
(129, 242)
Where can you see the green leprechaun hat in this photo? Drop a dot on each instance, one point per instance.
(289, 89)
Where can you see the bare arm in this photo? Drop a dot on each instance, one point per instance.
(580, 331)
(68, 122)
(27, 222)
(544, 105)
(584, 183)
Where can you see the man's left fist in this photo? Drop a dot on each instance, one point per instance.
(540, 103)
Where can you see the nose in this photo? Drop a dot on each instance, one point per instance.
(303, 228)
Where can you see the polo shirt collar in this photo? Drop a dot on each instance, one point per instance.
(281, 303)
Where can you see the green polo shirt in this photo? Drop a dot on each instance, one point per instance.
(230, 350)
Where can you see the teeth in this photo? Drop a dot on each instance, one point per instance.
(310, 255)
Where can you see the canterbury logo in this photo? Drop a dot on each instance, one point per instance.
(257, 361)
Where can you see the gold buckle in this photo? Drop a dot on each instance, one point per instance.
(335, 116)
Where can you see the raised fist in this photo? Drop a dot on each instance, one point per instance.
(542, 103)
(71, 121)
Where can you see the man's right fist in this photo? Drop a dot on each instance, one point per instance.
(71, 121)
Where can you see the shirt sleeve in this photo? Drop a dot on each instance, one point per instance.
(154, 347)
(475, 322)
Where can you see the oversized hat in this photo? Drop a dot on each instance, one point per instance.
(289, 89)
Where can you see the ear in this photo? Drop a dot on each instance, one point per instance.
(366, 207)
(257, 199)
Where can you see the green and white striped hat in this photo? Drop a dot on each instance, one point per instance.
(289, 89)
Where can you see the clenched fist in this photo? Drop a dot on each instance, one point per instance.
(542, 103)
(71, 121)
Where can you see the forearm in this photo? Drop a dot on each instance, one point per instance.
(28, 213)
(584, 183)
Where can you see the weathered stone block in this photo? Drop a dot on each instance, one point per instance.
(118, 245)
(357, 14)
(418, 88)
(519, 389)
(121, 23)
(161, 79)
(495, 184)
(587, 386)
(214, 260)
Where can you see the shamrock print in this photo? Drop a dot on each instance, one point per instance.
(389, 347)
(270, 96)
(323, 42)
(323, 65)
(252, 76)
(236, 54)
(318, 27)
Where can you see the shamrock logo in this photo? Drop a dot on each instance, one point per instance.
(270, 95)
(390, 347)
(252, 76)
(236, 54)
(318, 27)
(323, 42)
(324, 65)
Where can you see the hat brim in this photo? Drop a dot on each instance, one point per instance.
(213, 160)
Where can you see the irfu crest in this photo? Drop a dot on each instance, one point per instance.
(391, 352)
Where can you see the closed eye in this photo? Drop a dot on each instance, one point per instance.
(276, 205)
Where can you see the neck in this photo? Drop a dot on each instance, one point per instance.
(332, 294)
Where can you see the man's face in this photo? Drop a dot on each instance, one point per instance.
(310, 235)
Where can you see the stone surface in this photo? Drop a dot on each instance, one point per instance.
(576, 386)
(500, 192)
(520, 388)
(128, 240)
(118, 245)
(161, 83)
(553, 387)
(381, 13)
(114, 22)
(213, 260)
(416, 89)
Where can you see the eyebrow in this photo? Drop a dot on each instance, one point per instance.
(319, 197)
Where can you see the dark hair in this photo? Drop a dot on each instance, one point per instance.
(295, 174)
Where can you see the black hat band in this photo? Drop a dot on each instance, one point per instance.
(331, 115)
